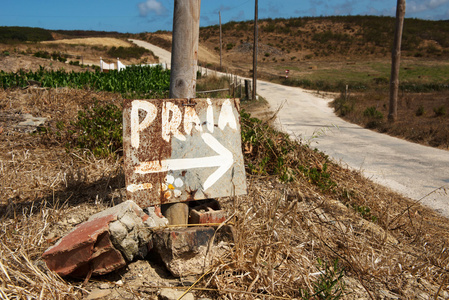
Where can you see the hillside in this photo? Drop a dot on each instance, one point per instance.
(308, 228)
(332, 37)
(301, 43)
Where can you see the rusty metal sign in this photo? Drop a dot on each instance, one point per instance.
(178, 150)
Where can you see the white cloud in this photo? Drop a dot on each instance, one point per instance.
(417, 7)
(151, 6)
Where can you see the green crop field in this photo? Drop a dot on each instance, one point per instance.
(134, 81)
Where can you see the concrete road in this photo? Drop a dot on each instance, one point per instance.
(410, 169)
(416, 171)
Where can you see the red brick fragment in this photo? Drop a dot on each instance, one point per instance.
(86, 247)
(207, 213)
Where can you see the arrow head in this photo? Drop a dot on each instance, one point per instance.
(225, 159)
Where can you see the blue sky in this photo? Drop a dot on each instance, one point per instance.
(136, 16)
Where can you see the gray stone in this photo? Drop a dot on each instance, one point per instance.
(129, 248)
(120, 210)
(129, 233)
(154, 221)
(143, 234)
(32, 121)
(184, 251)
(171, 294)
(130, 220)
(118, 231)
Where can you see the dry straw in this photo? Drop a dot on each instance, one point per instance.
(282, 230)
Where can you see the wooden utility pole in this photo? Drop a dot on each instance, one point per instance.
(256, 37)
(221, 42)
(396, 60)
(184, 65)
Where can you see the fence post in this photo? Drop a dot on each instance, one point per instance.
(184, 63)
(247, 89)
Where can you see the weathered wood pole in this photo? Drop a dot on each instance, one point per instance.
(221, 44)
(184, 65)
(396, 61)
(256, 37)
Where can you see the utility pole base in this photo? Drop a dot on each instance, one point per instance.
(176, 213)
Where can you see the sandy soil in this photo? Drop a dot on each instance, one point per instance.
(16, 62)
(204, 54)
(109, 42)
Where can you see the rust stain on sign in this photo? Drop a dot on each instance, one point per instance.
(179, 150)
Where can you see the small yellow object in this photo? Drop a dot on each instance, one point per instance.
(171, 187)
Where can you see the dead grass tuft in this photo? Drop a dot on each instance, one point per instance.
(291, 238)
(421, 116)
(22, 272)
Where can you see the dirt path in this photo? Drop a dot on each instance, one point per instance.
(416, 171)
(164, 55)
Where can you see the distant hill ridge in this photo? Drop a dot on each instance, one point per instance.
(12, 34)
(321, 37)
(295, 38)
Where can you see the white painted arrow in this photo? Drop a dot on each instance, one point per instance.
(223, 160)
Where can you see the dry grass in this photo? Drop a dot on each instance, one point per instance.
(108, 42)
(23, 274)
(417, 119)
(282, 229)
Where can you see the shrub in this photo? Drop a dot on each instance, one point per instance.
(420, 111)
(42, 54)
(381, 80)
(127, 52)
(342, 106)
(372, 112)
(99, 129)
(439, 111)
(229, 46)
(330, 283)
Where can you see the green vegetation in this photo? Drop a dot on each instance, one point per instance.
(440, 111)
(329, 285)
(343, 35)
(372, 112)
(229, 46)
(55, 55)
(270, 152)
(135, 81)
(420, 111)
(265, 155)
(415, 76)
(23, 34)
(319, 176)
(329, 36)
(99, 129)
(364, 212)
(127, 52)
(344, 105)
